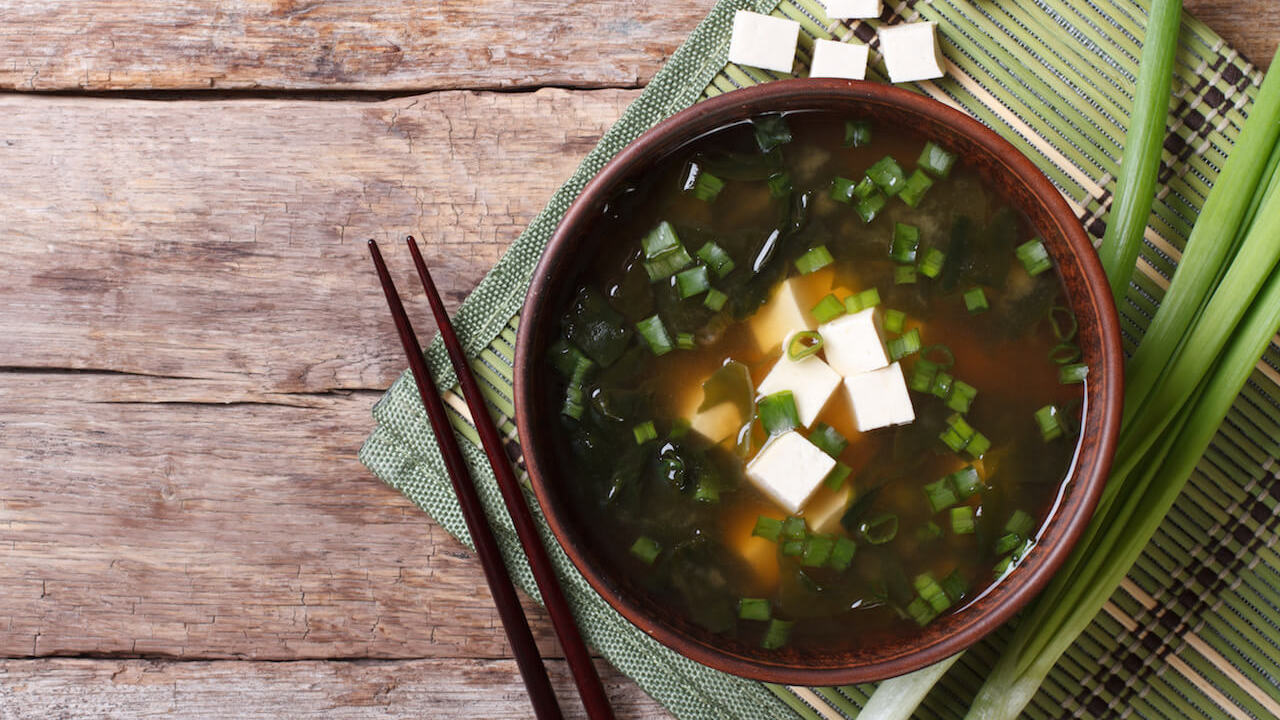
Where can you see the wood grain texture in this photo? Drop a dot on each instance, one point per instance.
(137, 689)
(223, 240)
(190, 490)
(411, 46)
(407, 46)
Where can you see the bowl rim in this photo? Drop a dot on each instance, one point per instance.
(1086, 482)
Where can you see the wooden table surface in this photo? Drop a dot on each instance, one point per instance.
(191, 337)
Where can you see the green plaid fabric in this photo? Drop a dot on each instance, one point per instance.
(1195, 629)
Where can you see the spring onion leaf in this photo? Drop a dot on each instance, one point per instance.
(804, 344)
(842, 190)
(828, 439)
(962, 520)
(935, 160)
(870, 206)
(842, 553)
(835, 479)
(716, 258)
(887, 174)
(780, 185)
(655, 335)
(646, 549)
(644, 432)
(814, 259)
(767, 528)
(894, 320)
(1073, 373)
(828, 308)
(931, 262)
(975, 300)
(904, 345)
(754, 609)
(693, 281)
(904, 275)
(777, 634)
(914, 189)
(1033, 256)
(857, 133)
(714, 300)
(906, 241)
(879, 529)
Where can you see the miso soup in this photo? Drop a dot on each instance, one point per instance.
(818, 385)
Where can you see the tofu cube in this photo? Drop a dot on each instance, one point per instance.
(879, 398)
(717, 423)
(851, 9)
(911, 51)
(810, 380)
(763, 41)
(782, 315)
(838, 60)
(789, 469)
(853, 344)
(826, 508)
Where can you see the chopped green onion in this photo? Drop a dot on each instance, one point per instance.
(573, 406)
(655, 335)
(1050, 426)
(858, 302)
(828, 439)
(935, 160)
(753, 609)
(716, 258)
(804, 344)
(686, 341)
(940, 355)
(894, 320)
(667, 264)
(707, 187)
(954, 586)
(866, 188)
(904, 344)
(942, 384)
(870, 206)
(932, 592)
(906, 240)
(929, 531)
(778, 413)
(1034, 257)
(780, 185)
(880, 529)
(661, 239)
(1003, 567)
(767, 528)
(1064, 353)
(975, 300)
(777, 634)
(842, 553)
(960, 435)
(771, 131)
(828, 308)
(914, 189)
(842, 190)
(646, 549)
(817, 548)
(888, 175)
(962, 522)
(922, 375)
(792, 548)
(692, 282)
(857, 133)
(921, 611)
(714, 300)
(1066, 329)
(962, 395)
(1020, 523)
(931, 263)
(644, 432)
(835, 479)
(1007, 542)
(793, 528)
(978, 446)
(814, 259)
(967, 482)
(1073, 373)
(904, 275)
(941, 494)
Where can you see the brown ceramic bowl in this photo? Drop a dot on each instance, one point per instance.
(1025, 187)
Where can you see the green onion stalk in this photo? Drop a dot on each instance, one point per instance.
(1135, 187)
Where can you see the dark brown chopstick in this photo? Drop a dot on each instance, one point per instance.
(545, 706)
(575, 651)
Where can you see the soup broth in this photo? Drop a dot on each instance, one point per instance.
(702, 273)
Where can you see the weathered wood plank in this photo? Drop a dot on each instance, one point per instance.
(137, 519)
(223, 240)
(488, 689)
(402, 47)
(337, 44)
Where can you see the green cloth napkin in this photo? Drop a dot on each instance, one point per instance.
(1192, 632)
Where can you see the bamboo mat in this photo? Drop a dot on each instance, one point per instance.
(1195, 629)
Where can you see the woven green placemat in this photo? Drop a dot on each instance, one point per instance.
(1195, 629)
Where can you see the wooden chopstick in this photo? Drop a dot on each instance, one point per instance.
(585, 677)
(514, 622)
